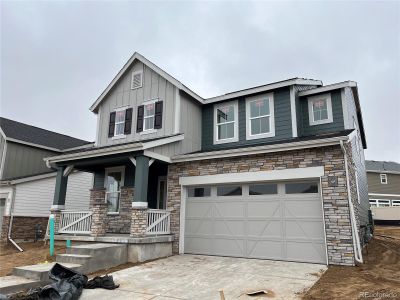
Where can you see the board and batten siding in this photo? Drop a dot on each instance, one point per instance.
(34, 198)
(154, 87)
(337, 113)
(22, 160)
(283, 123)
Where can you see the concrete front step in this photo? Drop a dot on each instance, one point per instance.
(11, 284)
(41, 271)
(102, 256)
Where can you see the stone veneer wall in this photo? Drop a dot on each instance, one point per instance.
(335, 201)
(23, 228)
(121, 223)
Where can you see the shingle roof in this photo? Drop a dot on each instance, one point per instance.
(35, 135)
(373, 165)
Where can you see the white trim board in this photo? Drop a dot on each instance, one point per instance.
(274, 175)
(293, 111)
(328, 88)
(384, 195)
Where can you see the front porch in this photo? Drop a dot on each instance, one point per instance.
(128, 199)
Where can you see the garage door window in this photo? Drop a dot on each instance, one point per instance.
(230, 190)
(301, 188)
(199, 192)
(263, 189)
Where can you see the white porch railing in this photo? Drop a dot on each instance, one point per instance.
(158, 221)
(75, 222)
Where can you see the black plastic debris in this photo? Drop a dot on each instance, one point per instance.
(105, 282)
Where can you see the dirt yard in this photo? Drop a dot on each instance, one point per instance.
(377, 278)
(34, 253)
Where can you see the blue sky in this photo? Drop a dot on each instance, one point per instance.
(57, 57)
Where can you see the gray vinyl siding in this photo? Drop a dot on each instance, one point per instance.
(337, 113)
(375, 185)
(283, 123)
(34, 198)
(22, 160)
(2, 152)
(154, 87)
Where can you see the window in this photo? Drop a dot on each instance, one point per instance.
(137, 80)
(226, 128)
(373, 203)
(119, 122)
(384, 179)
(383, 203)
(114, 178)
(301, 188)
(260, 117)
(395, 202)
(320, 109)
(263, 189)
(199, 192)
(148, 118)
(230, 190)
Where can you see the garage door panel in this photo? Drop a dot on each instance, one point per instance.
(198, 209)
(199, 226)
(306, 251)
(229, 247)
(267, 249)
(229, 227)
(303, 209)
(262, 228)
(199, 245)
(228, 209)
(266, 208)
(304, 229)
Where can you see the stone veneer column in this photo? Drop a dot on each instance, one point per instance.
(4, 228)
(98, 206)
(139, 221)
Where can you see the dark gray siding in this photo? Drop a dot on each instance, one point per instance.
(22, 160)
(283, 122)
(337, 113)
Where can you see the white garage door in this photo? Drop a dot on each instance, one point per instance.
(281, 221)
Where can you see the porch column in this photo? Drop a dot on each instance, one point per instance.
(59, 197)
(139, 202)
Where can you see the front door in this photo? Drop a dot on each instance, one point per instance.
(162, 192)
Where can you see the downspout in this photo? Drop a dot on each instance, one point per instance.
(11, 220)
(356, 238)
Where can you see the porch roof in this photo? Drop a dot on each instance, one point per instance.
(95, 152)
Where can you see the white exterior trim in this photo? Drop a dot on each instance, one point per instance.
(384, 195)
(298, 173)
(140, 205)
(115, 149)
(259, 149)
(382, 171)
(293, 112)
(157, 156)
(327, 98)
(57, 207)
(271, 133)
(33, 144)
(347, 125)
(182, 221)
(133, 160)
(98, 128)
(235, 137)
(68, 170)
(33, 178)
(327, 88)
(177, 123)
(383, 176)
(264, 88)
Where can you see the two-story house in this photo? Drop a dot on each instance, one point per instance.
(273, 172)
(384, 191)
(27, 184)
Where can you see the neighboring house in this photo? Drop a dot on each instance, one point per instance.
(384, 190)
(272, 172)
(27, 184)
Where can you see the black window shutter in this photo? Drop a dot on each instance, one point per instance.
(140, 115)
(111, 125)
(158, 115)
(128, 121)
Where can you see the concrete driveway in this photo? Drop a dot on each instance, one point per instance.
(201, 277)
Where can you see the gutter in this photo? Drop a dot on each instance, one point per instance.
(356, 238)
(11, 220)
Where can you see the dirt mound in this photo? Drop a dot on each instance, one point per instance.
(378, 277)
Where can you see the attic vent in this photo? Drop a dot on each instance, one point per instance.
(137, 78)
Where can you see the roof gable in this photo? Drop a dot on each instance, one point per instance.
(158, 70)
